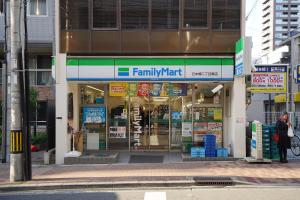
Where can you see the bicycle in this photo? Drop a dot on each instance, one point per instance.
(295, 145)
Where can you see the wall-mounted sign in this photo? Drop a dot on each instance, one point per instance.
(269, 79)
(94, 115)
(117, 132)
(150, 69)
(243, 56)
(298, 74)
(149, 72)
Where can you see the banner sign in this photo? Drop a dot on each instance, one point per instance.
(269, 79)
(94, 115)
(243, 56)
(117, 132)
(150, 69)
(298, 74)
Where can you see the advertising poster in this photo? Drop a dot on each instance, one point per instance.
(155, 89)
(186, 129)
(200, 127)
(94, 115)
(269, 79)
(178, 89)
(143, 89)
(216, 128)
(118, 89)
(132, 89)
(117, 132)
(218, 114)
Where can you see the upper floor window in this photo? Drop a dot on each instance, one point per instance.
(165, 14)
(104, 14)
(135, 14)
(226, 14)
(74, 14)
(195, 13)
(37, 7)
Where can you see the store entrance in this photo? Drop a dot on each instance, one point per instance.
(149, 120)
(159, 122)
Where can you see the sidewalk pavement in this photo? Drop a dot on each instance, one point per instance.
(111, 175)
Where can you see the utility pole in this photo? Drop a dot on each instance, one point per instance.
(16, 133)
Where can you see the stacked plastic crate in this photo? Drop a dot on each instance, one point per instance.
(210, 145)
(274, 146)
(222, 152)
(270, 148)
(197, 152)
(266, 141)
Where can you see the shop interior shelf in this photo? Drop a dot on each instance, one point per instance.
(92, 105)
(118, 120)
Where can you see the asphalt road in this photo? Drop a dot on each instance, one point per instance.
(203, 193)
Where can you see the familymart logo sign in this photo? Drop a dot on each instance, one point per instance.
(150, 72)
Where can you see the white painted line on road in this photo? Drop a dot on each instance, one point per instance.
(155, 196)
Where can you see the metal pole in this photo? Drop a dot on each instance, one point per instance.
(270, 109)
(4, 113)
(16, 134)
(25, 97)
(287, 88)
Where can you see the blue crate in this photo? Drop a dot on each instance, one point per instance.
(210, 152)
(222, 152)
(197, 152)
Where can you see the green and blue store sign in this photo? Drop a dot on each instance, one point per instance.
(150, 69)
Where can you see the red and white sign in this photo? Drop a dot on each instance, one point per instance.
(268, 82)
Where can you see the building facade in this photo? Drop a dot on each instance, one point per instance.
(279, 18)
(138, 75)
(40, 16)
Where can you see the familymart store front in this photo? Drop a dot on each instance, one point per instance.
(146, 104)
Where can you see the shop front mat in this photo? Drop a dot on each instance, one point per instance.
(146, 159)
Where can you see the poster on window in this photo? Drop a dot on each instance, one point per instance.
(132, 89)
(178, 89)
(94, 115)
(143, 89)
(118, 89)
(117, 132)
(187, 129)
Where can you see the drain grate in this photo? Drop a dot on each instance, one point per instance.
(214, 180)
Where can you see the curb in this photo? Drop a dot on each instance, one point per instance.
(89, 185)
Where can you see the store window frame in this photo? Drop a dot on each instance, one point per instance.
(225, 29)
(165, 29)
(149, 19)
(35, 70)
(63, 19)
(35, 15)
(118, 19)
(208, 17)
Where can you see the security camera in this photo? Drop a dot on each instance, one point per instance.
(217, 89)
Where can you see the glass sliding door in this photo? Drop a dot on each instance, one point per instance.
(176, 122)
(139, 123)
(159, 123)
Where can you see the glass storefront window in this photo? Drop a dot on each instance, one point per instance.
(93, 117)
(150, 116)
(118, 131)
